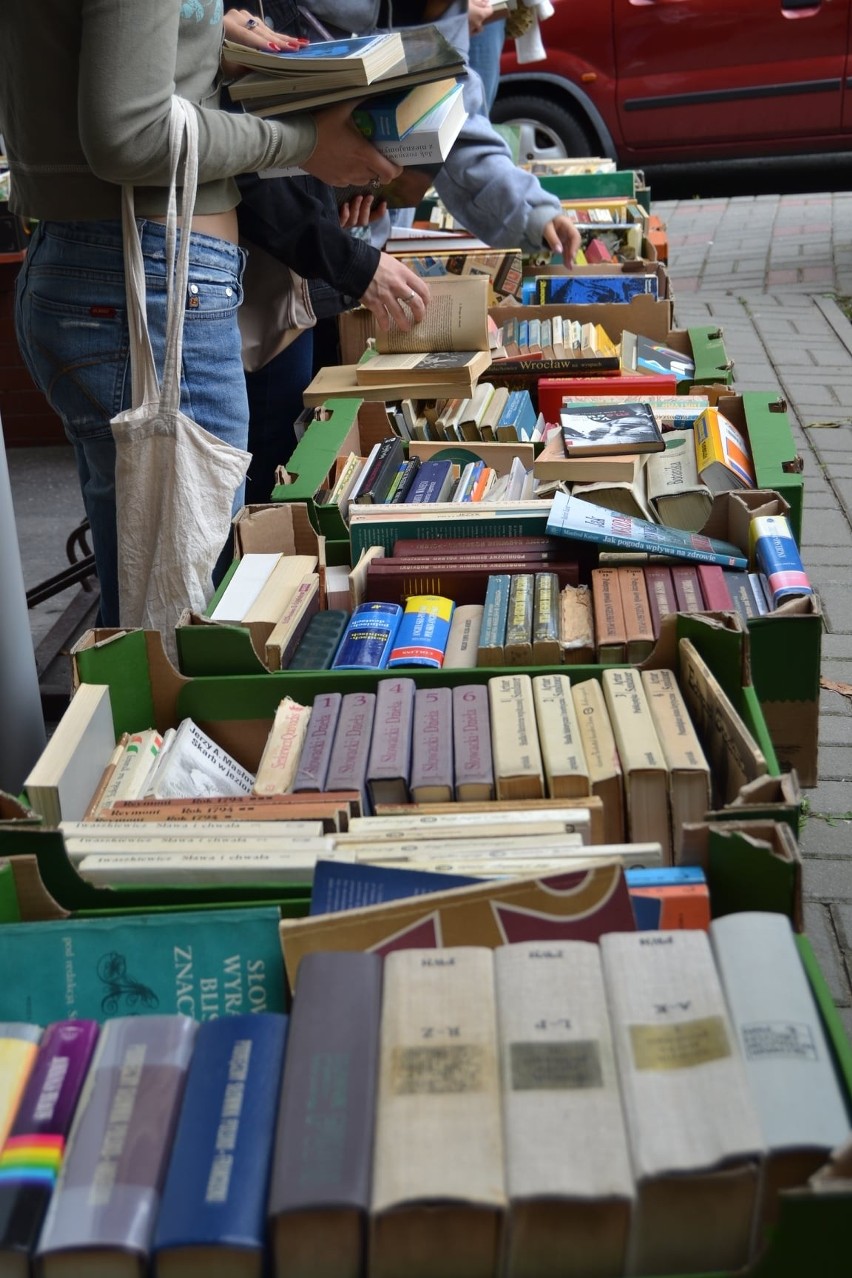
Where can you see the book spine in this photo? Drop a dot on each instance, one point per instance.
(518, 767)
(368, 638)
(32, 1154)
(280, 759)
(637, 613)
(608, 615)
(348, 763)
(601, 753)
(389, 758)
(545, 627)
(431, 749)
(472, 758)
(495, 611)
(559, 734)
(110, 1181)
(576, 625)
(774, 549)
(315, 755)
(406, 480)
(463, 639)
(421, 638)
(714, 589)
(642, 759)
(687, 588)
(742, 595)
(328, 1086)
(517, 646)
(215, 1188)
(661, 595)
(317, 647)
(381, 474)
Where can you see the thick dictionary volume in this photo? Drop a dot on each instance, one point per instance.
(214, 1199)
(572, 517)
(32, 1154)
(320, 1186)
(431, 778)
(103, 1209)
(424, 628)
(368, 638)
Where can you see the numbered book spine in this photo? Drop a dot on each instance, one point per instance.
(608, 614)
(472, 758)
(347, 768)
(389, 759)
(432, 746)
(598, 741)
(642, 759)
(315, 756)
(559, 734)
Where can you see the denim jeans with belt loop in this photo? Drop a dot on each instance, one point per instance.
(71, 321)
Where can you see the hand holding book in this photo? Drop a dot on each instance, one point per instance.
(342, 155)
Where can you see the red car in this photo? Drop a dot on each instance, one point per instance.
(654, 81)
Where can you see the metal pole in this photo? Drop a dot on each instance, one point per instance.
(22, 732)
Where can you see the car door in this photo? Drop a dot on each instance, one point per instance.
(728, 72)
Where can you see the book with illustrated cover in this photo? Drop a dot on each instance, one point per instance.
(572, 517)
(389, 116)
(573, 290)
(589, 430)
(640, 354)
(722, 454)
(357, 60)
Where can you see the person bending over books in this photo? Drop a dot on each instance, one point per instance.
(85, 90)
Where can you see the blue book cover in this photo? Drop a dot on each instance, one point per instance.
(577, 519)
(519, 412)
(421, 639)
(218, 1175)
(338, 886)
(368, 637)
(432, 483)
(592, 290)
(663, 875)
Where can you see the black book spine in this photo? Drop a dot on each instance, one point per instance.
(388, 460)
(409, 475)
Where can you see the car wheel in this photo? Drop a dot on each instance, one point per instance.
(547, 130)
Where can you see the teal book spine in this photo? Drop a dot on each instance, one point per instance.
(202, 963)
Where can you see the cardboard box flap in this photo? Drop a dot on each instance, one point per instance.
(749, 864)
(206, 647)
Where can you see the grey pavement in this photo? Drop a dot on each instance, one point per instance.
(769, 270)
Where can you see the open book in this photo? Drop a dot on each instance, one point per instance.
(449, 343)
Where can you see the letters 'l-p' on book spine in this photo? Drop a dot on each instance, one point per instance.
(33, 1151)
(103, 1209)
(438, 1196)
(214, 1198)
(320, 1186)
(568, 1172)
(694, 1136)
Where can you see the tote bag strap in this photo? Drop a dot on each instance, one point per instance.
(145, 387)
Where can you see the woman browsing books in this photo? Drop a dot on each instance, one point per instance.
(76, 129)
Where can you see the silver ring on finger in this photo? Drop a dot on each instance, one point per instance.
(251, 23)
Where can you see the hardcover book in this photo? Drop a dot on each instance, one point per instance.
(571, 517)
(568, 1172)
(688, 769)
(213, 1209)
(368, 638)
(463, 638)
(389, 758)
(722, 454)
(347, 767)
(316, 751)
(200, 962)
(694, 1135)
(573, 290)
(18, 1050)
(677, 495)
(589, 430)
(559, 733)
(438, 1094)
(424, 629)
(606, 778)
(323, 1150)
(431, 778)
(643, 762)
(518, 767)
(433, 482)
(66, 774)
(279, 763)
(33, 1151)
(610, 627)
(102, 1214)
(472, 758)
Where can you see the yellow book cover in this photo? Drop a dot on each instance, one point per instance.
(722, 454)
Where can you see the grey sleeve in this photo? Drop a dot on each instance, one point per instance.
(129, 68)
(485, 190)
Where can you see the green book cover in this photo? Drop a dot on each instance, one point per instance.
(201, 963)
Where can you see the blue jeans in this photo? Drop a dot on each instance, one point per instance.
(71, 324)
(485, 49)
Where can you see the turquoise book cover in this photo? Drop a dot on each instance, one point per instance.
(201, 963)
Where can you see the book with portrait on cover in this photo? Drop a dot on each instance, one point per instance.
(589, 430)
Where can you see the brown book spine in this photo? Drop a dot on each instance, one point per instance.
(687, 588)
(637, 613)
(608, 616)
(661, 595)
(714, 588)
(451, 547)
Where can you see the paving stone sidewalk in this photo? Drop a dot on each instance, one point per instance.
(770, 271)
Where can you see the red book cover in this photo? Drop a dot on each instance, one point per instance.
(687, 588)
(714, 588)
(550, 390)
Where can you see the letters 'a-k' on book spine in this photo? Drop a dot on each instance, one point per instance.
(105, 1202)
(214, 1197)
(694, 1133)
(320, 1185)
(32, 1153)
(438, 1094)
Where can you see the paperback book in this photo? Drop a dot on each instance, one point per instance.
(591, 430)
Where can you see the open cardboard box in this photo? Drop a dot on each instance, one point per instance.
(637, 267)
(208, 647)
